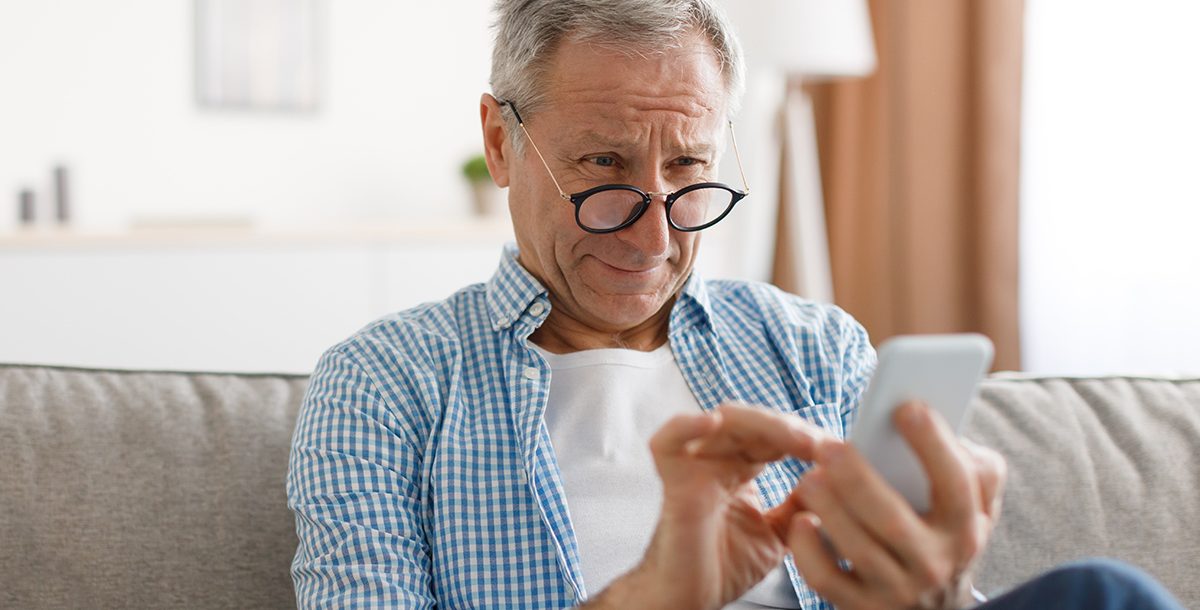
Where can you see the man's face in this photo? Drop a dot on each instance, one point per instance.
(652, 122)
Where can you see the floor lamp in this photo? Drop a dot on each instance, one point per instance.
(811, 40)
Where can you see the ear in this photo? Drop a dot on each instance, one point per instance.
(495, 139)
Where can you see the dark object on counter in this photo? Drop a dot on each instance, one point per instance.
(62, 199)
(26, 210)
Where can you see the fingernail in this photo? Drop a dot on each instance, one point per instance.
(715, 417)
(813, 521)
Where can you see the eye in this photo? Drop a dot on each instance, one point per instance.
(688, 161)
(604, 160)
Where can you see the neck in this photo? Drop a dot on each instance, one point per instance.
(562, 334)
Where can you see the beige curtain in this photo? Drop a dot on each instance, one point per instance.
(920, 170)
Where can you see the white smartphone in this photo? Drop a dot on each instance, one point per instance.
(943, 371)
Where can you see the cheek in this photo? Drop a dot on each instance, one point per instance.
(547, 226)
(686, 245)
(534, 196)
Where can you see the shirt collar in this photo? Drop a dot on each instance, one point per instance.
(512, 291)
(693, 305)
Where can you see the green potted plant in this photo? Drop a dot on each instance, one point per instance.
(485, 195)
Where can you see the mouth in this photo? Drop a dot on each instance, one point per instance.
(622, 269)
(634, 271)
(624, 279)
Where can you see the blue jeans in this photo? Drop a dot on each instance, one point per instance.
(1094, 584)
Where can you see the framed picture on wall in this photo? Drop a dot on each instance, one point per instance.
(258, 54)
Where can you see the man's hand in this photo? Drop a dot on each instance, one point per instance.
(713, 541)
(899, 559)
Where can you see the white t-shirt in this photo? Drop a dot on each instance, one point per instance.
(604, 406)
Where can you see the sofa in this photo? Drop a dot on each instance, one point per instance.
(140, 489)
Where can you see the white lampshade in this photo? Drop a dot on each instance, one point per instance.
(810, 38)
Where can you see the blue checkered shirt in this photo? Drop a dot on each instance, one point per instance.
(422, 474)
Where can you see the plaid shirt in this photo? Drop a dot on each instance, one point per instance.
(421, 470)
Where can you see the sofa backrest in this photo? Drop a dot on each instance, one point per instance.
(145, 490)
(1097, 467)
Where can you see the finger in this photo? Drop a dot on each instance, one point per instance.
(752, 434)
(953, 490)
(992, 473)
(818, 566)
(675, 462)
(874, 503)
(672, 438)
(780, 517)
(759, 434)
(873, 563)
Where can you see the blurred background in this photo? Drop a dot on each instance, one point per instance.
(239, 184)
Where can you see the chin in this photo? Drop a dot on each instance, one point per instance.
(626, 311)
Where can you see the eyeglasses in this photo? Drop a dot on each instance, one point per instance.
(612, 207)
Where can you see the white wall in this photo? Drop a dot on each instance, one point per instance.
(1110, 231)
(106, 87)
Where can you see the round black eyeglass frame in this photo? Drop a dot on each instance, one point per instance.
(577, 199)
(647, 198)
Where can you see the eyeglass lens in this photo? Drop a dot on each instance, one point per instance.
(699, 207)
(613, 208)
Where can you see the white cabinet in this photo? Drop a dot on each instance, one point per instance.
(220, 300)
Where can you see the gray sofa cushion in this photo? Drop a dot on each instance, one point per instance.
(1101, 466)
(145, 490)
(152, 490)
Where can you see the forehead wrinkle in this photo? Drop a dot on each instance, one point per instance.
(620, 122)
(686, 104)
(672, 140)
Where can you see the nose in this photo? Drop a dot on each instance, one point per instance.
(651, 234)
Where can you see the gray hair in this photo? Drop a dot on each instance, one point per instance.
(529, 31)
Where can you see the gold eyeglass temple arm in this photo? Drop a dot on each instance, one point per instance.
(737, 154)
(547, 165)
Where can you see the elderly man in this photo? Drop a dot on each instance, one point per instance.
(565, 433)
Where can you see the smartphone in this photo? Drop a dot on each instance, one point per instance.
(944, 372)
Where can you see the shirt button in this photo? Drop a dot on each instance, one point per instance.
(532, 374)
(537, 309)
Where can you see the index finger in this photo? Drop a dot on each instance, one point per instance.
(673, 437)
(758, 434)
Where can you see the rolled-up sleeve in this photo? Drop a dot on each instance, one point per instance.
(354, 484)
